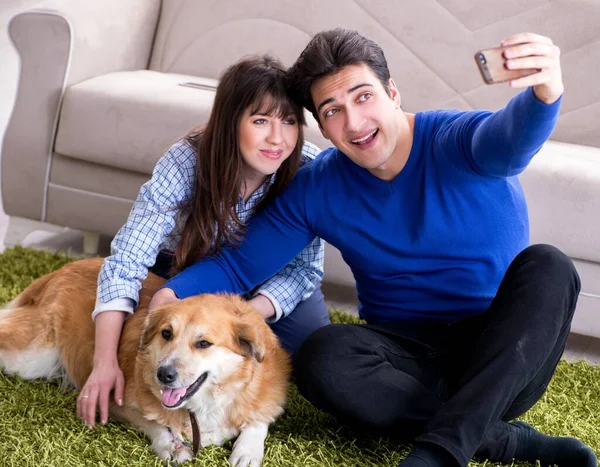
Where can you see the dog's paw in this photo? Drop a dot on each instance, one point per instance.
(169, 448)
(246, 455)
(182, 453)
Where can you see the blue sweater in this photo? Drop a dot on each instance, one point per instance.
(433, 243)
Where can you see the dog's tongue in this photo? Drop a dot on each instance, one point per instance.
(170, 396)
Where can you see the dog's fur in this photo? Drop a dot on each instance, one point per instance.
(47, 331)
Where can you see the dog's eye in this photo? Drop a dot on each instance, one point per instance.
(203, 344)
(166, 334)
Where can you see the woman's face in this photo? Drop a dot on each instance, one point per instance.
(266, 141)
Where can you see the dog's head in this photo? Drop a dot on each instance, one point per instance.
(195, 346)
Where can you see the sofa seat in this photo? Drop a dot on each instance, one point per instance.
(126, 120)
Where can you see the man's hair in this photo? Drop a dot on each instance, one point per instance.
(326, 54)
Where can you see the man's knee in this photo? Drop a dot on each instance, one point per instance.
(337, 370)
(552, 263)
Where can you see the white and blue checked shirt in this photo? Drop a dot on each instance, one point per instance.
(154, 225)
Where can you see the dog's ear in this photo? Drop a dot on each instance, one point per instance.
(151, 326)
(249, 342)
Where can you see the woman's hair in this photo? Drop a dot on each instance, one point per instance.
(326, 54)
(257, 83)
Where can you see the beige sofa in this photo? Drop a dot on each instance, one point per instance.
(102, 93)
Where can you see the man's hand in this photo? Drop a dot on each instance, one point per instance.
(535, 51)
(264, 305)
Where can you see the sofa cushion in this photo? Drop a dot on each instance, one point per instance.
(562, 189)
(128, 119)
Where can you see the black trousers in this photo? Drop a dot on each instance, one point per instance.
(452, 384)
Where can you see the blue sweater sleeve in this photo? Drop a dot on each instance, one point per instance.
(274, 237)
(502, 143)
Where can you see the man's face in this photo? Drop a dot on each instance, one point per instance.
(359, 117)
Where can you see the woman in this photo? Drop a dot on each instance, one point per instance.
(200, 197)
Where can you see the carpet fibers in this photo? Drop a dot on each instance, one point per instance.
(39, 427)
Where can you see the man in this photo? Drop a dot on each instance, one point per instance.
(466, 323)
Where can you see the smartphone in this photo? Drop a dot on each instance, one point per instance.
(491, 63)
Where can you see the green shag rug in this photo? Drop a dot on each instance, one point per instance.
(39, 427)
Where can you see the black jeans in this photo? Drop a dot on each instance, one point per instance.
(451, 384)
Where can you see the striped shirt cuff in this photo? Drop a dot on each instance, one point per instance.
(118, 304)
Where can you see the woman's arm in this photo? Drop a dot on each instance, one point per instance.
(152, 218)
(134, 250)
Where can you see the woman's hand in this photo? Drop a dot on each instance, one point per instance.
(106, 374)
(162, 297)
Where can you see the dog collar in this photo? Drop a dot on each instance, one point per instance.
(195, 433)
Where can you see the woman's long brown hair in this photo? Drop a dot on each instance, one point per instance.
(256, 82)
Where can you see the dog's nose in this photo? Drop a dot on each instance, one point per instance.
(167, 374)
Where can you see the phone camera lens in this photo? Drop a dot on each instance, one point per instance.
(482, 59)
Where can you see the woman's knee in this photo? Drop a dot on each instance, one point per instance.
(308, 317)
(321, 355)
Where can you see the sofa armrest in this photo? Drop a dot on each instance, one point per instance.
(57, 49)
(107, 36)
(43, 43)
(562, 187)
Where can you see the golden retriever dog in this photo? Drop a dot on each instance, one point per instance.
(212, 355)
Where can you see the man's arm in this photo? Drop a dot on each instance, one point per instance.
(503, 143)
(294, 283)
(274, 237)
(506, 141)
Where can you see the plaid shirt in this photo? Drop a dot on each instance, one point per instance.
(154, 224)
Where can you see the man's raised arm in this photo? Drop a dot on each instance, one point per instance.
(503, 143)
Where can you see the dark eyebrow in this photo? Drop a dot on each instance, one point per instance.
(331, 99)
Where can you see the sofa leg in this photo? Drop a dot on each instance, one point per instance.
(91, 242)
